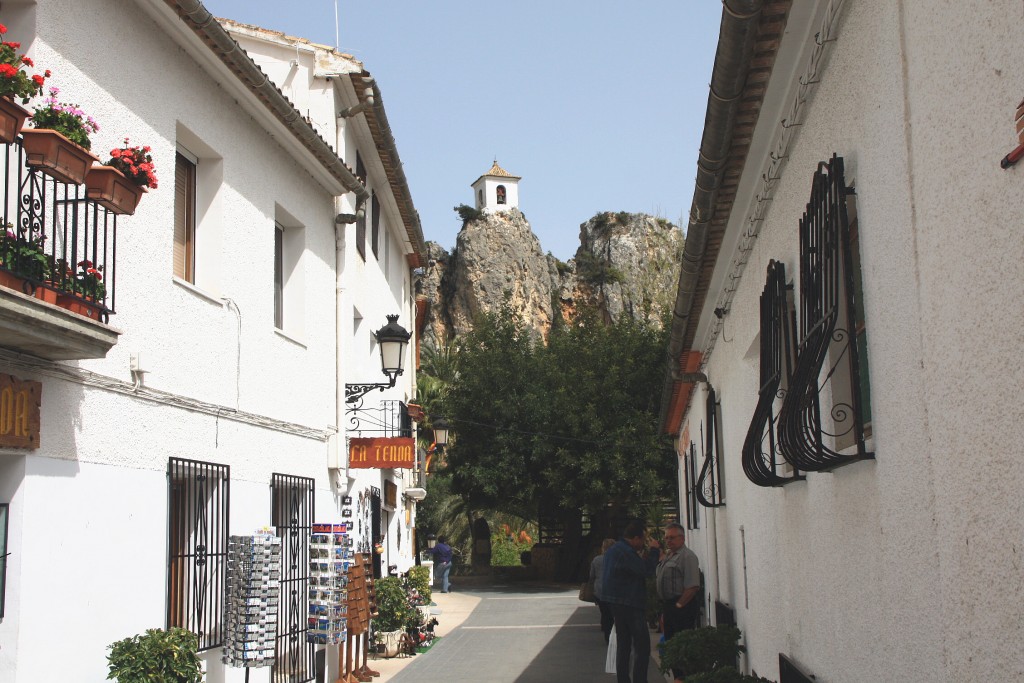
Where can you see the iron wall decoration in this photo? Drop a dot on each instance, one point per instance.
(814, 437)
(293, 508)
(709, 490)
(197, 538)
(762, 456)
(389, 418)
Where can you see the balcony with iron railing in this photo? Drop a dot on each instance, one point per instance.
(58, 248)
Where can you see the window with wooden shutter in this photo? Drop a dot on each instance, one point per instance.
(184, 218)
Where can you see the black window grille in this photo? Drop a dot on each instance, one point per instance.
(724, 614)
(375, 225)
(821, 423)
(709, 490)
(361, 215)
(197, 538)
(293, 506)
(762, 458)
(690, 474)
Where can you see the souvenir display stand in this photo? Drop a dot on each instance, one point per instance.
(330, 554)
(360, 608)
(252, 594)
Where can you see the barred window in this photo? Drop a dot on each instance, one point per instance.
(762, 455)
(293, 505)
(197, 537)
(825, 415)
(690, 472)
(709, 489)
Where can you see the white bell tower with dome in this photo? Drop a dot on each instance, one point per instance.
(496, 190)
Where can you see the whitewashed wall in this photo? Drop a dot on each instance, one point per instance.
(906, 568)
(316, 80)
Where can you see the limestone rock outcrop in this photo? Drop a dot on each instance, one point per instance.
(626, 264)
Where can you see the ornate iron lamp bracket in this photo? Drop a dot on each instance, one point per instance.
(354, 392)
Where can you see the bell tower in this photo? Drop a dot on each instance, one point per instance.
(496, 190)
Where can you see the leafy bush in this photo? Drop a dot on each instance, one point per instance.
(394, 613)
(595, 270)
(507, 549)
(156, 657)
(419, 578)
(726, 674)
(467, 213)
(702, 649)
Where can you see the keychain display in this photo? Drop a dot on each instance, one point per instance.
(252, 596)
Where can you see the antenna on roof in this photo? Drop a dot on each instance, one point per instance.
(337, 38)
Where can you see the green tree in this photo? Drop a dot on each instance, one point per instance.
(555, 430)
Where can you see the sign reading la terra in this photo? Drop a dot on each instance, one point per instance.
(382, 453)
(19, 412)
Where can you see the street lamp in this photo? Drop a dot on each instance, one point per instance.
(392, 339)
(441, 432)
(431, 541)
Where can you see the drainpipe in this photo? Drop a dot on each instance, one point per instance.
(738, 33)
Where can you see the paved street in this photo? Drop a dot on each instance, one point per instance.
(521, 633)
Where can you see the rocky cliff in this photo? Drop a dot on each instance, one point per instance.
(626, 264)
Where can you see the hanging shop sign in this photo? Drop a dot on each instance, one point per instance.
(19, 412)
(382, 453)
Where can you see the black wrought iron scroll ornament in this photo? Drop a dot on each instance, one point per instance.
(762, 458)
(822, 410)
(709, 490)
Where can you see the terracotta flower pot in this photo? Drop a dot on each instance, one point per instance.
(80, 306)
(56, 156)
(12, 281)
(111, 189)
(12, 118)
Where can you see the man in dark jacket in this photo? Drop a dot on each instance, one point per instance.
(627, 564)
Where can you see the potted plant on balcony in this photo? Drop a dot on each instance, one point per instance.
(87, 290)
(15, 84)
(118, 184)
(58, 144)
(24, 263)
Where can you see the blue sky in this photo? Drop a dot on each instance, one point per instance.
(598, 105)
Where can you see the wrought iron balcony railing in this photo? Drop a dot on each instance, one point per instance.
(55, 243)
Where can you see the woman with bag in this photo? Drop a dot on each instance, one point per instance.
(596, 566)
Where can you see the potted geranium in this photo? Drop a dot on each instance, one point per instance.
(119, 183)
(58, 144)
(15, 84)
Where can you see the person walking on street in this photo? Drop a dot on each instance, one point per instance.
(442, 553)
(596, 566)
(678, 582)
(626, 566)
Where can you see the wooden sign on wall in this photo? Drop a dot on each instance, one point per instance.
(19, 412)
(382, 453)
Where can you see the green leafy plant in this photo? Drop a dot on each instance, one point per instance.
(419, 578)
(725, 674)
(25, 254)
(135, 163)
(14, 80)
(157, 656)
(66, 119)
(468, 213)
(394, 613)
(89, 281)
(701, 650)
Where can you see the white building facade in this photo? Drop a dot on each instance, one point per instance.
(212, 402)
(860, 522)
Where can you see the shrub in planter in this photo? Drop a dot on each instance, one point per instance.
(702, 650)
(393, 609)
(419, 578)
(157, 656)
(726, 674)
